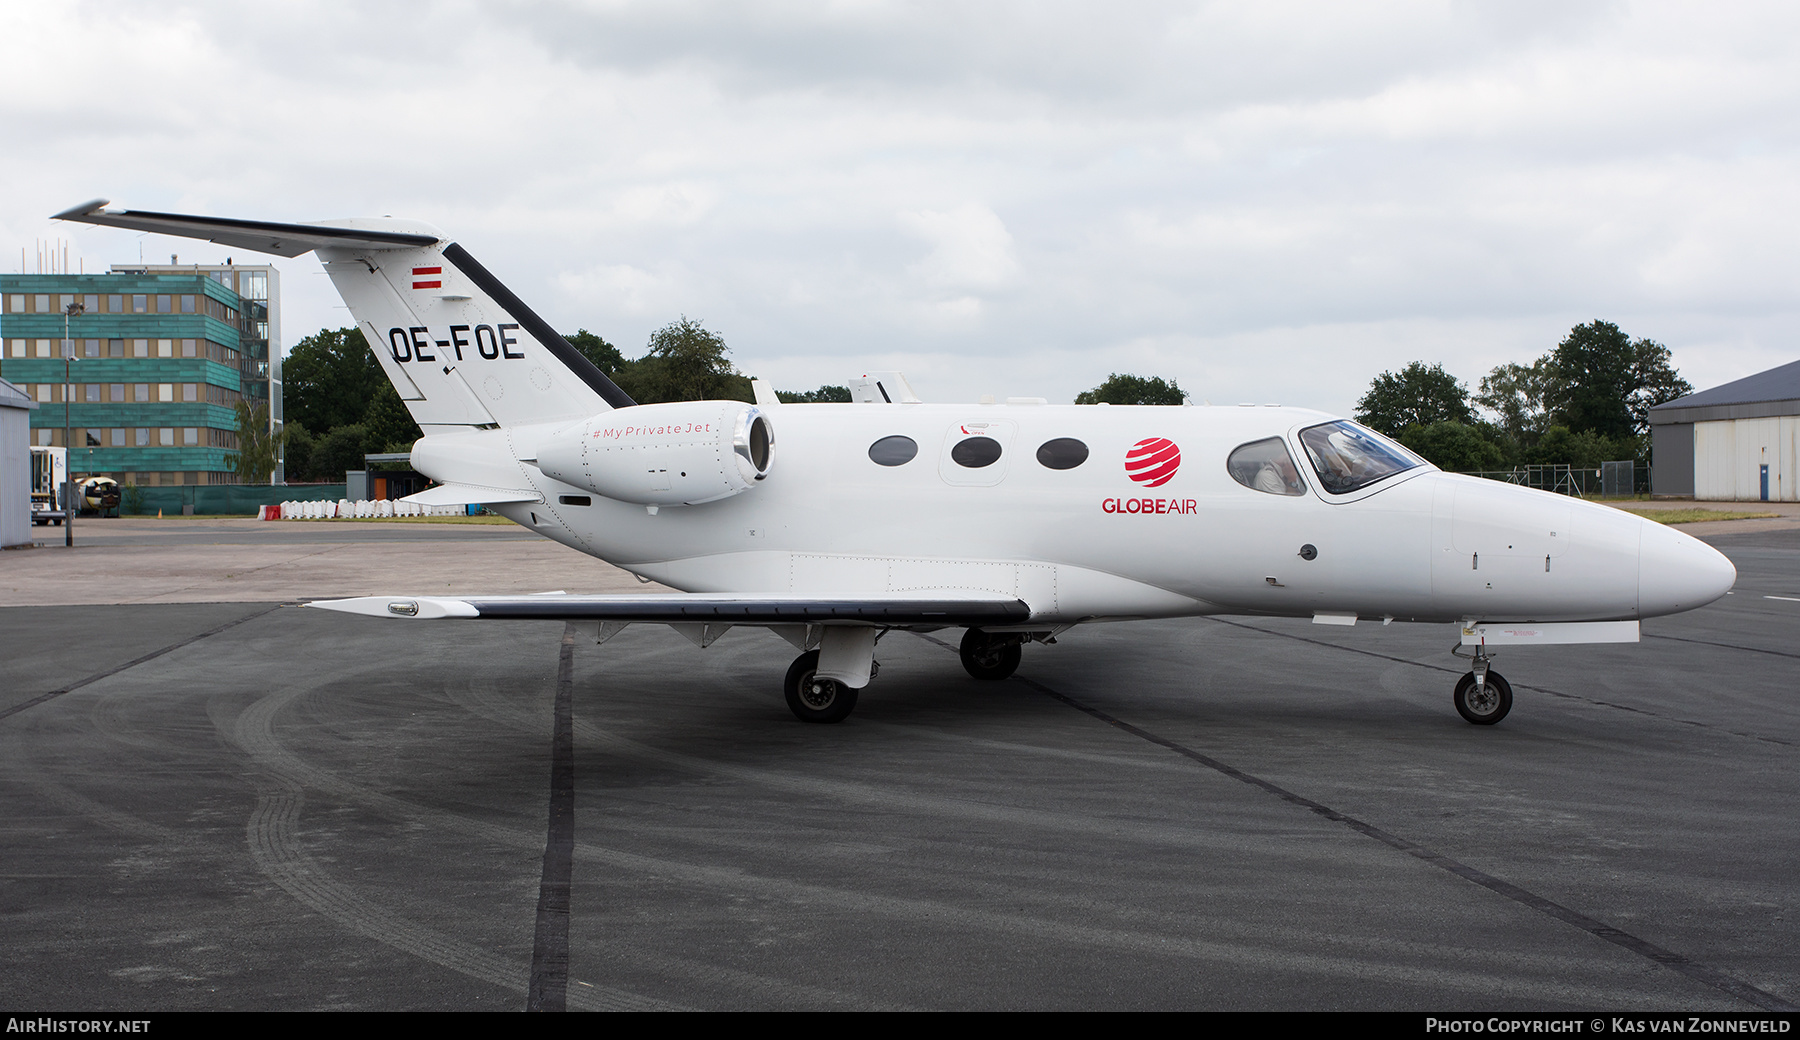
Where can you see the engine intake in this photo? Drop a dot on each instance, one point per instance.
(682, 453)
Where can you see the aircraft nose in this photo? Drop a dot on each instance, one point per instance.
(1678, 572)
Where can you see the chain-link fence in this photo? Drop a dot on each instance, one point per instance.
(1608, 480)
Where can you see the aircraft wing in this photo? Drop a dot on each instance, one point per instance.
(896, 610)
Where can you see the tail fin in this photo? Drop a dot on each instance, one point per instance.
(458, 346)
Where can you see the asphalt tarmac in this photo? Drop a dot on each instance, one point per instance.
(249, 805)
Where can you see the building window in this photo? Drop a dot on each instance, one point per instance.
(164, 305)
(115, 348)
(165, 348)
(90, 303)
(143, 436)
(140, 304)
(43, 392)
(190, 435)
(190, 391)
(187, 305)
(118, 437)
(43, 303)
(187, 345)
(115, 304)
(140, 393)
(93, 393)
(15, 348)
(15, 303)
(140, 348)
(93, 438)
(43, 348)
(165, 392)
(43, 437)
(90, 348)
(166, 436)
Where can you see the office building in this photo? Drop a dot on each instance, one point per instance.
(156, 364)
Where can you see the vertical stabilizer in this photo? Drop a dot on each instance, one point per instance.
(460, 348)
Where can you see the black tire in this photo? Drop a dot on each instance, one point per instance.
(1487, 709)
(820, 700)
(987, 656)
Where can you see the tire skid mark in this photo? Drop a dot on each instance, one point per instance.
(272, 835)
(1352, 964)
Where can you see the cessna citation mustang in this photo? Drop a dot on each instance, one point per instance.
(832, 525)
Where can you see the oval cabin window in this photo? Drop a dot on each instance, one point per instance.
(1062, 453)
(976, 452)
(893, 451)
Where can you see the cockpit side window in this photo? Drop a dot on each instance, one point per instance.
(1266, 466)
(1348, 457)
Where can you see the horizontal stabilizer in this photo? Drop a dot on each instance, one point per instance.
(665, 608)
(262, 236)
(465, 495)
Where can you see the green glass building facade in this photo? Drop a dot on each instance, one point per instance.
(156, 370)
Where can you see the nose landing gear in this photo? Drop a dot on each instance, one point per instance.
(1482, 696)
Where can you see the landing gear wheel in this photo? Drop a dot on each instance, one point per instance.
(988, 656)
(812, 699)
(1485, 705)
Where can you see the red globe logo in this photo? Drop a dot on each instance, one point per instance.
(1153, 461)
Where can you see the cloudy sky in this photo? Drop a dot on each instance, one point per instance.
(1267, 201)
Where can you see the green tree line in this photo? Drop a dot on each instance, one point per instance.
(1585, 402)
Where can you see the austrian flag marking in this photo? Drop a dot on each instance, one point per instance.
(1153, 461)
(431, 274)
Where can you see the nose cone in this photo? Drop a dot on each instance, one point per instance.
(1677, 572)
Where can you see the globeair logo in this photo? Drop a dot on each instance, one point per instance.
(1153, 461)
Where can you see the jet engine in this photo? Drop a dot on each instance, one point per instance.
(681, 453)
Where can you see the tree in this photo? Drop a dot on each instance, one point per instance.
(339, 451)
(1593, 377)
(1654, 380)
(329, 378)
(1454, 446)
(256, 445)
(1128, 389)
(1517, 394)
(390, 426)
(685, 362)
(823, 395)
(604, 355)
(1418, 395)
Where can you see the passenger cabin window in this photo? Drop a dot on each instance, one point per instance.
(976, 452)
(1266, 466)
(1062, 453)
(893, 451)
(1348, 457)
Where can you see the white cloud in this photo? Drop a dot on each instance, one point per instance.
(1277, 200)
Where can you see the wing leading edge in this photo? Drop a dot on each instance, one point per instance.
(698, 608)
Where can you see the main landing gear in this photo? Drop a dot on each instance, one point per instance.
(813, 698)
(991, 655)
(1482, 696)
(845, 653)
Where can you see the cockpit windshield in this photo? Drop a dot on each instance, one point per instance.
(1349, 457)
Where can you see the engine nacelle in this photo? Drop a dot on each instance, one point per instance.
(682, 453)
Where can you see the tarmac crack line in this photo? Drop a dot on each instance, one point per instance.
(1600, 930)
(1537, 689)
(550, 948)
(151, 656)
(272, 833)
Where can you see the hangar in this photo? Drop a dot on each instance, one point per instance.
(1737, 442)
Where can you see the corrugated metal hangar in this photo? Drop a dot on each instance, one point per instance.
(1737, 442)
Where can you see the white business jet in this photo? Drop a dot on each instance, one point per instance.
(832, 525)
